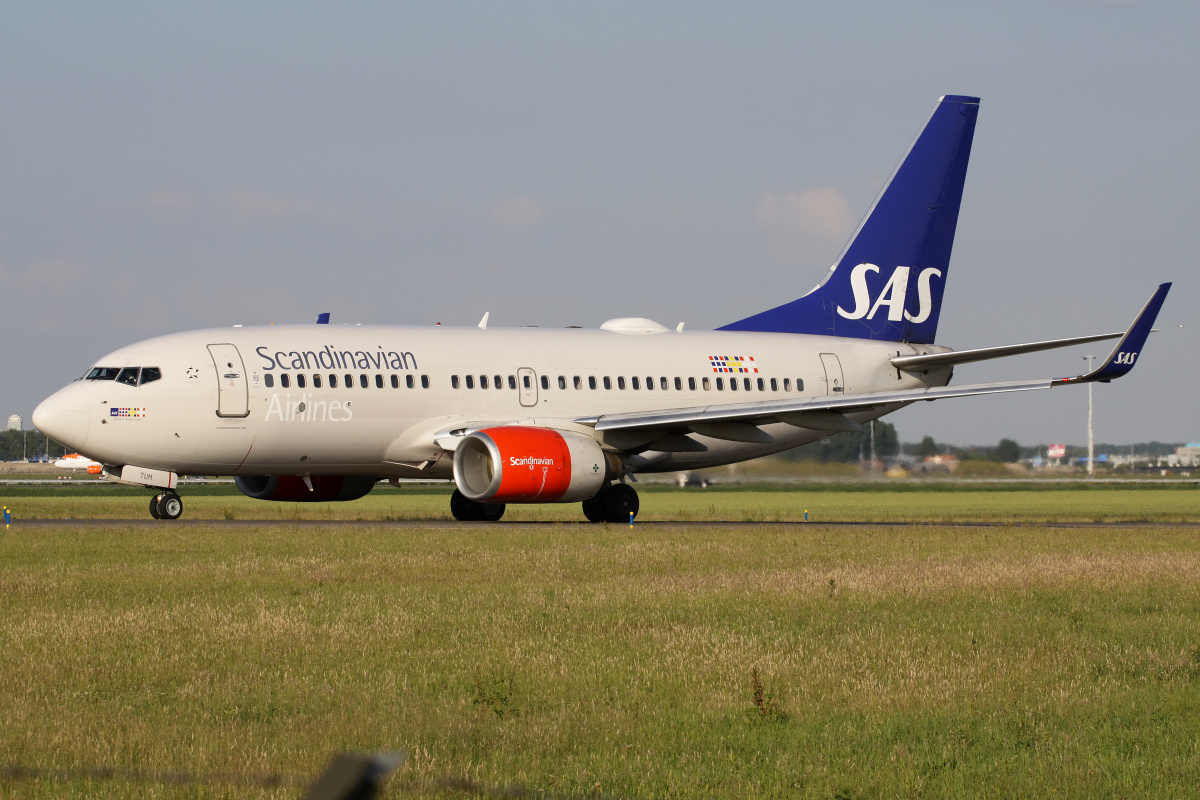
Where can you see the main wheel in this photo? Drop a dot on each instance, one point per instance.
(619, 502)
(489, 512)
(154, 501)
(170, 506)
(462, 508)
(593, 508)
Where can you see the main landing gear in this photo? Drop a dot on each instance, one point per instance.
(465, 510)
(614, 504)
(167, 505)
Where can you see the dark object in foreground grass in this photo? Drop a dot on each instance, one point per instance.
(354, 776)
(766, 709)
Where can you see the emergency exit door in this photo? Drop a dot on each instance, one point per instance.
(527, 386)
(233, 393)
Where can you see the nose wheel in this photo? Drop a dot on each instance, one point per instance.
(167, 505)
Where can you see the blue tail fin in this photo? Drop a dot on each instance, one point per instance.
(887, 284)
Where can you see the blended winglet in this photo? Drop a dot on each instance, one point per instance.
(1124, 355)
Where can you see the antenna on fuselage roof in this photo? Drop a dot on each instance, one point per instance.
(679, 328)
(483, 322)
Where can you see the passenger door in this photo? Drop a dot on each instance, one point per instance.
(834, 383)
(233, 398)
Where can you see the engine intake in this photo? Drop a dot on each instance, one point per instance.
(291, 488)
(519, 464)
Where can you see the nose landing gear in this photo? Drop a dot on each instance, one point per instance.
(167, 505)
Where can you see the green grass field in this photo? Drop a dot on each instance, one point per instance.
(1025, 502)
(690, 661)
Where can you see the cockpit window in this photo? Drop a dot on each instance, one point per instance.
(149, 374)
(102, 374)
(128, 376)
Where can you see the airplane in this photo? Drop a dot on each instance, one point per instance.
(77, 461)
(534, 415)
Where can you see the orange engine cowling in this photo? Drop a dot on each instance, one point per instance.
(518, 464)
(293, 489)
(95, 469)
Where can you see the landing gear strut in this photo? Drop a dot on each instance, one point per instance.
(167, 505)
(614, 504)
(465, 510)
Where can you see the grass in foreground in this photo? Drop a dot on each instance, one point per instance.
(759, 662)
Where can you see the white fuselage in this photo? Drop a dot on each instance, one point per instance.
(292, 400)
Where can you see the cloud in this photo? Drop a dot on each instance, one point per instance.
(169, 205)
(517, 213)
(254, 206)
(55, 276)
(823, 212)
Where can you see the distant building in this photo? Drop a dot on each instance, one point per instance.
(1186, 456)
(14, 423)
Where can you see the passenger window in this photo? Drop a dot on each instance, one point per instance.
(692, 384)
(787, 384)
(705, 383)
(578, 383)
(285, 380)
(349, 384)
(424, 381)
(799, 384)
(395, 381)
(149, 374)
(562, 382)
(269, 381)
(128, 376)
(512, 382)
(317, 381)
(635, 383)
(774, 385)
(102, 374)
(621, 382)
(545, 382)
(745, 383)
(300, 382)
(483, 384)
(332, 381)
(453, 381)
(720, 384)
(662, 383)
(409, 382)
(470, 379)
(362, 381)
(378, 381)
(650, 383)
(497, 381)
(732, 384)
(607, 382)
(762, 385)
(525, 381)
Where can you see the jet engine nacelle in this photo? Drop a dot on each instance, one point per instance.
(517, 464)
(325, 488)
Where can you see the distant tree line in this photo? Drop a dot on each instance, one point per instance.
(850, 446)
(18, 445)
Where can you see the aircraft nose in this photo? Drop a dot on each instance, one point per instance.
(63, 416)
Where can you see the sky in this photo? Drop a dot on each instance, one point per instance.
(171, 166)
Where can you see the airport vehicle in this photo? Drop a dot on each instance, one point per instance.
(532, 415)
(77, 461)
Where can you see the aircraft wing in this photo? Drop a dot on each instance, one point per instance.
(828, 413)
